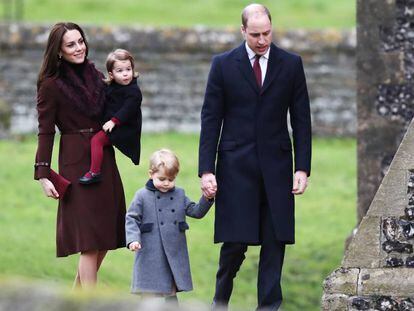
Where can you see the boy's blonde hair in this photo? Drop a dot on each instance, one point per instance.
(165, 159)
(118, 55)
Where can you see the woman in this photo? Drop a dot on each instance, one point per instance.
(90, 220)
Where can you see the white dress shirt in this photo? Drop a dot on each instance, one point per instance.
(262, 60)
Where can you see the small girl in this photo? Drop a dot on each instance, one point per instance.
(155, 228)
(122, 114)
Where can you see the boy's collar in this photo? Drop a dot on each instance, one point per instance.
(150, 186)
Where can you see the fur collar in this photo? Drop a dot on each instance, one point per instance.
(83, 86)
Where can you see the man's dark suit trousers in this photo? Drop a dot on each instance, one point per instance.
(269, 292)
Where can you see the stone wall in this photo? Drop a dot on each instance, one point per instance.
(385, 81)
(377, 270)
(174, 65)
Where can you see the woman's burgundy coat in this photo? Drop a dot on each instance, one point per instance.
(124, 103)
(89, 217)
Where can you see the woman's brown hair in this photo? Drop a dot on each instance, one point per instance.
(51, 61)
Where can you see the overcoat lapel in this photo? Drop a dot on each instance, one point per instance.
(245, 67)
(273, 67)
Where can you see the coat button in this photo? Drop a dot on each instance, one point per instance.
(173, 210)
(162, 223)
(171, 198)
(159, 210)
(158, 197)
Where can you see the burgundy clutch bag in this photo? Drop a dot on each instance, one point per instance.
(61, 183)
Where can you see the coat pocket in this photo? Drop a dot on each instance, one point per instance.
(147, 227)
(182, 226)
(227, 145)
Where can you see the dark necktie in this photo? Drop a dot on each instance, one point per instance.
(257, 71)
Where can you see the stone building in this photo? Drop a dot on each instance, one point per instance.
(377, 272)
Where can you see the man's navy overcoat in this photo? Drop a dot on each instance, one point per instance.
(245, 141)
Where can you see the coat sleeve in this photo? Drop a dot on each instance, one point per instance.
(46, 114)
(212, 114)
(131, 107)
(300, 119)
(197, 210)
(133, 220)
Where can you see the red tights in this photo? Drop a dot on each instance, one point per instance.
(98, 141)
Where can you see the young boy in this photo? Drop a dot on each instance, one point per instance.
(155, 229)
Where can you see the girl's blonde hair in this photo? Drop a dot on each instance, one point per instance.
(118, 55)
(165, 159)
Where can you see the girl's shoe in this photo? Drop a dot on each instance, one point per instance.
(90, 178)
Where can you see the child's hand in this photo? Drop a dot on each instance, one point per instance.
(134, 246)
(108, 126)
(212, 190)
(209, 198)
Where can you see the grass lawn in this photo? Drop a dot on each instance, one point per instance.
(286, 13)
(325, 215)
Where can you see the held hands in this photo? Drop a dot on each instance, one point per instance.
(108, 126)
(208, 185)
(300, 182)
(48, 188)
(134, 246)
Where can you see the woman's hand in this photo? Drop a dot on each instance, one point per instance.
(49, 188)
(108, 126)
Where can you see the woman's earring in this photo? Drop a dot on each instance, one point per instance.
(60, 57)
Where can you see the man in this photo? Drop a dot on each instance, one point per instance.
(249, 92)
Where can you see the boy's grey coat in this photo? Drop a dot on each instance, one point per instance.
(157, 221)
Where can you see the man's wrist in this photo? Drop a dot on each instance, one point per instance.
(302, 172)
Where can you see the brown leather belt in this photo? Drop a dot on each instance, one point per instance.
(80, 131)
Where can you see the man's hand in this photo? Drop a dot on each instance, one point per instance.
(108, 126)
(208, 185)
(300, 182)
(134, 246)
